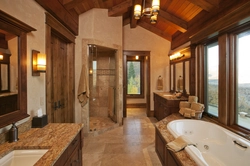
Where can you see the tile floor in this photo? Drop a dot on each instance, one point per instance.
(129, 145)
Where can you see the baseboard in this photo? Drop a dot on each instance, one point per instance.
(136, 105)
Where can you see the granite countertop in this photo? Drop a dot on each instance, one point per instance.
(7, 94)
(183, 156)
(55, 137)
(170, 96)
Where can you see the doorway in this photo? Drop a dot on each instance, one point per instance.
(143, 97)
(60, 85)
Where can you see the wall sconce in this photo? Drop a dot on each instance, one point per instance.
(136, 57)
(1, 57)
(38, 63)
(176, 56)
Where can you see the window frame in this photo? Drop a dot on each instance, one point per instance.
(141, 60)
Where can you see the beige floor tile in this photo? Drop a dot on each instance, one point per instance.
(129, 145)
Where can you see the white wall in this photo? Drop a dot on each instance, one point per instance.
(143, 40)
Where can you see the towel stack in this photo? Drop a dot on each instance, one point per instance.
(190, 108)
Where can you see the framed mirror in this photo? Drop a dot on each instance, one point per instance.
(10, 26)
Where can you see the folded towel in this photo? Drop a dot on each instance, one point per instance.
(160, 83)
(192, 99)
(179, 143)
(184, 104)
(197, 106)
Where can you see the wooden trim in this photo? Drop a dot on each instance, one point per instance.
(64, 33)
(137, 105)
(223, 96)
(13, 25)
(56, 9)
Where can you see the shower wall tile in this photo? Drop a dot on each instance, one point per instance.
(103, 101)
(103, 111)
(103, 91)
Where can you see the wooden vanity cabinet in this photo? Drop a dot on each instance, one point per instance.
(163, 107)
(72, 156)
(166, 157)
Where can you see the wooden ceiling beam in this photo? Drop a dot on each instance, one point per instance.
(155, 30)
(72, 4)
(174, 21)
(119, 9)
(204, 4)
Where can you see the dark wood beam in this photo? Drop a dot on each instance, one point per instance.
(204, 4)
(57, 10)
(174, 21)
(155, 30)
(119, 9)
(72, 4)
(204, 19)
(239, 16)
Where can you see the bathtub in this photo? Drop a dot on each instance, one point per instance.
(215, 145)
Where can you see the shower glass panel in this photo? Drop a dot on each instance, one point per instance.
(102, 81)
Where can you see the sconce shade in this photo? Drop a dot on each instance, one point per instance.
(137, 12)
(1, 57)
(41, 62)
(155, 7)
(38, 63)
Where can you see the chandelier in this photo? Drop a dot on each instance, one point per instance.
(150, 12)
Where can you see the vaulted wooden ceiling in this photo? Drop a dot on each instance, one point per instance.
(176, 17)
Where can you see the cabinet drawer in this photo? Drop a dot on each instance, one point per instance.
(74, 144)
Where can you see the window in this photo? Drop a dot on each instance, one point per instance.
(243, 80)
(211, 80)
(135, 78)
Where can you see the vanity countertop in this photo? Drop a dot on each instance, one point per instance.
(170, 96)
(55, 137)
(184, 158)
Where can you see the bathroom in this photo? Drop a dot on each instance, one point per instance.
(96, 27)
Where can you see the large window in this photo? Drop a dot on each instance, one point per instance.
(135, 78)
(243, 80)
(211, 80)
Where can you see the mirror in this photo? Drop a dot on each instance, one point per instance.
(172, 77)
(187, 69)
(11, 28)
(179, 76)
(4, 77)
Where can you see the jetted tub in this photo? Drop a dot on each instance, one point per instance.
(215, 145)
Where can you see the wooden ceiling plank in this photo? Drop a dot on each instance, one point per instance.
(120, 8)
(203, 4)
(204, 19)
(155, 30)
(72, 4)
(180, 24)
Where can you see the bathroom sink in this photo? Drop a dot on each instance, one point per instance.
(25, 157)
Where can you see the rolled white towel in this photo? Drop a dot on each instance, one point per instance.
(192, 99)
(197, 106)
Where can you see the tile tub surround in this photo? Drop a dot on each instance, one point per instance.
(184, 158)
(55, 137)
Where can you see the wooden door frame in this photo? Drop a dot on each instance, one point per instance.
(146, 55)
(55, 27)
